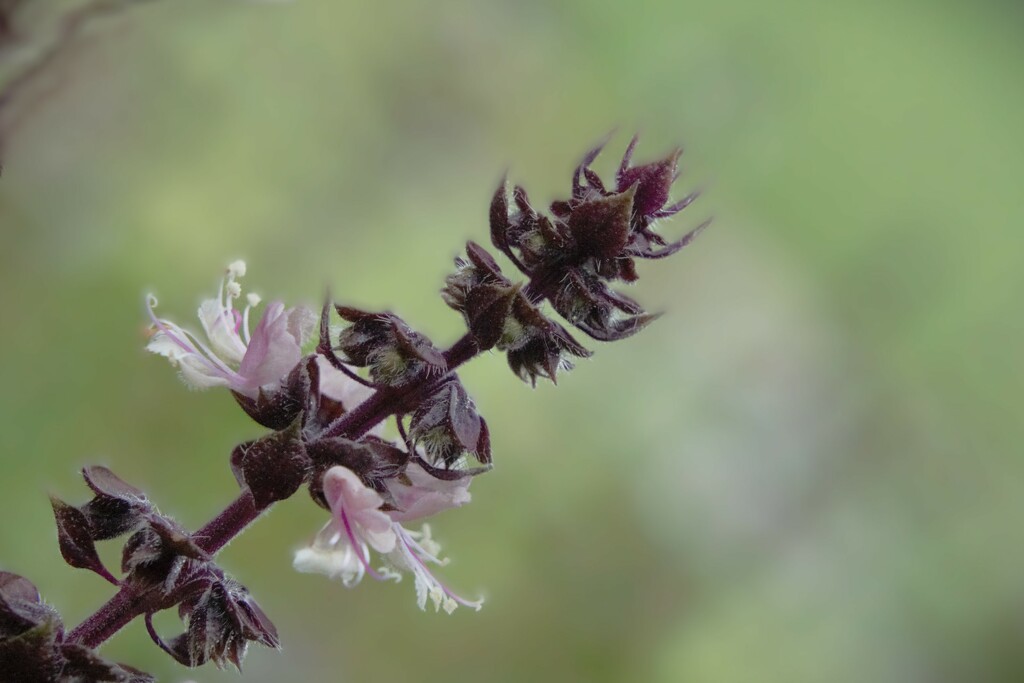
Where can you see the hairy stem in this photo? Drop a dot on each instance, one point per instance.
(108, 619)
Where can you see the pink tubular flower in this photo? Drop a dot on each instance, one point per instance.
(234, 358)
(342, 548)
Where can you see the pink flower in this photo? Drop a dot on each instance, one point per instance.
(336, 385)
(342, 548)
(425, 495)
(234, 358)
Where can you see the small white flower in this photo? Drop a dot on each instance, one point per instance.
(234, 357)
(342, 548)
(329, 556)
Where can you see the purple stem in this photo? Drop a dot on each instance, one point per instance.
(129, 603)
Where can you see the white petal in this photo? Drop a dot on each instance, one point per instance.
(336, 385)
(301, 323)
(340, 563)
(273, 350)
(220, 329)
(162, 344)
(427, 494)
(198, 374)
(345, 492)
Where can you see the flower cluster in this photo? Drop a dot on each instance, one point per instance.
(369, 485)
(326, 402)
(593, 239)
(572, 256)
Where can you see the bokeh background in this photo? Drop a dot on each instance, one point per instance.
(808, 470)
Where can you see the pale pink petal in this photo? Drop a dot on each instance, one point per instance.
(336, 385)
(199, 374)
(427, 495)
(301, 323)
(221, 331)
(345, 492)
(273, 351)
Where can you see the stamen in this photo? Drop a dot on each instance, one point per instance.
(229, 290)
(254, 300)
(221, 299)
(151, 303)
(209, 357)
(236, 269)
(411, 548)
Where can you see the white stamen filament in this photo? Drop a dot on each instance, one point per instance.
(414, 550)
(254, 300)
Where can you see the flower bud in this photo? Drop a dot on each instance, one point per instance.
(600, 227)
(156, 555)
(653, 181)
(272, 468)
(447, 425)
(222, 620)
(543, 352)
(393, 352)
(586, 302)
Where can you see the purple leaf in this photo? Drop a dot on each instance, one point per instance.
(601, 226)
(104, 482)
(74, 535)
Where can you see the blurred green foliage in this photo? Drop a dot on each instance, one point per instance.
(809, 470)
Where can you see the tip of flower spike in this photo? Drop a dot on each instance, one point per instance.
(236, 269)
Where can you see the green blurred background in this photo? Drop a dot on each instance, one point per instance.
(808, 470)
